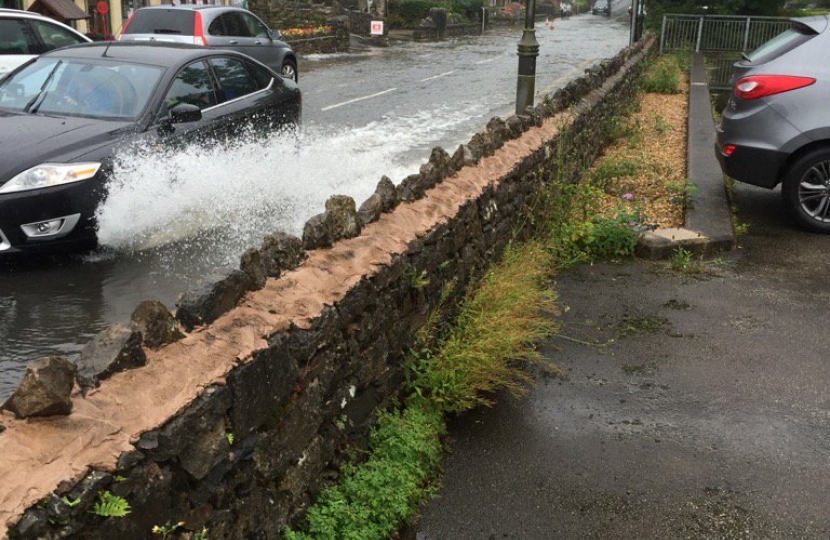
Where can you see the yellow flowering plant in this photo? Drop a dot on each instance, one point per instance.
(311, 31)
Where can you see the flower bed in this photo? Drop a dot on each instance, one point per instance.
(323, 38)
(312, 31)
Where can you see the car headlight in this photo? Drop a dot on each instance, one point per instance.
(50, 174)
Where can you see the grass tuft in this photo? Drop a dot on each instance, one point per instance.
(664, 74)
(499, 323)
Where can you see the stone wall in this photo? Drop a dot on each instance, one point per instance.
(338, 42)
(237, 425)
(431, 33)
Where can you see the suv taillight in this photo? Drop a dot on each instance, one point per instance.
(758, 86)
(198, 35)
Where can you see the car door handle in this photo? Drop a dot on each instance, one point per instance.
(233, 42)
(257, 42)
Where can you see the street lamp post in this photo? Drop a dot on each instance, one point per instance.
(528, 51)
(634, 20)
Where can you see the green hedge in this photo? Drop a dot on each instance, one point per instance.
(409, 13)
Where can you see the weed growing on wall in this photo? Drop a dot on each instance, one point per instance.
(373, 499)
(109, 505)
(499, 322)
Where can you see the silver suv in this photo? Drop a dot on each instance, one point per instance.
(24, 35)
(222, 27)
(776, 127)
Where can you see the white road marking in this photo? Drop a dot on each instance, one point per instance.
(438, 76)
(355, 100)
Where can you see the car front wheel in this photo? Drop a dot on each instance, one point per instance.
(289, 70)
(806, 190)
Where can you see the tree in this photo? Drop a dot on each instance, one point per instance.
(719, 7)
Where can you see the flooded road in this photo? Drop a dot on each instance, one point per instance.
(169, 219)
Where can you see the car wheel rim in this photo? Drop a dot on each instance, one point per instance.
(814, 192)
(288, 71)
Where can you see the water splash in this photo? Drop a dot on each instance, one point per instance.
(224, 198)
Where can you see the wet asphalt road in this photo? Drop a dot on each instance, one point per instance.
(693, 406)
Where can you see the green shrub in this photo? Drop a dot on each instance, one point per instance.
(373, 499)
(469, 8)
(410, 13)
(576, 232)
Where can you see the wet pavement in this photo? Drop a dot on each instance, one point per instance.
(692, 405)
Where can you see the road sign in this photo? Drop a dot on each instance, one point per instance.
(377, 28)
(102, 7)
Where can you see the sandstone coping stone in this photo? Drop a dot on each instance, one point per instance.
(338, 222)
(370, 210)
(384, 199)
(280, 252)
(387, 193)
(155, 322)
(251, 263)
(483, 144)
(115, 349)
(45, 389)
(216, 294)
(464, 157)
(412, 188)
(499, 132)
(442, 162)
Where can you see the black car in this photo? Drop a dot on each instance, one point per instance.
(65, 115)
(601, 6)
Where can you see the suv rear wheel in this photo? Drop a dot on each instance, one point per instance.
(806, 190)
(289, 70)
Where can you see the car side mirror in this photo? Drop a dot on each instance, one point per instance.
(181, 113)
(185, 112)
(276, 34)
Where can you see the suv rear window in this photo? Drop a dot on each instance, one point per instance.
(161, 21)
(780, 44)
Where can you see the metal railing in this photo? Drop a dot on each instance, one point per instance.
(718, 32)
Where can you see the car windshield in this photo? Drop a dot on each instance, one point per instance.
(72, 87)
